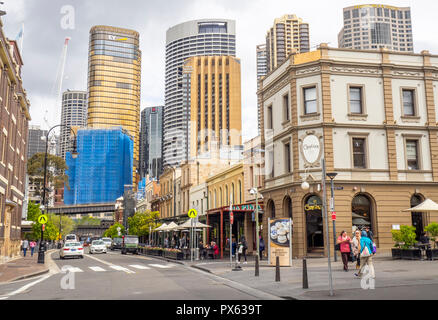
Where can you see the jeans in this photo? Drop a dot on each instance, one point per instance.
(243, 253)
(24, 251)
(31, 251)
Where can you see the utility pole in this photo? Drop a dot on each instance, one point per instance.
(324, 204)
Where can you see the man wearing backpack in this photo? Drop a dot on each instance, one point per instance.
(366, 255)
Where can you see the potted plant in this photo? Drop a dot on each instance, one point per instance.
(396, 251)
(408, 238)
(175, 254)
(432, 229)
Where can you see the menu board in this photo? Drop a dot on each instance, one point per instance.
(280, 241)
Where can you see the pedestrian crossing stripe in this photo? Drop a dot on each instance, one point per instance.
(98, 269)
(71, 269)
(160, 266)
(137, 266)
(120, 268)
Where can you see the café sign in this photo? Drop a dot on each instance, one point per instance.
(311, 148)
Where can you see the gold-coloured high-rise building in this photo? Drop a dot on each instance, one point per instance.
(212, 87)
(114, 78)
(289, 34)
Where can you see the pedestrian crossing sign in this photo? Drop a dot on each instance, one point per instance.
(42, 219)
(192, 213)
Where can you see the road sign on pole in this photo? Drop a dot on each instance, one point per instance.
(42, 219)
(192, 213)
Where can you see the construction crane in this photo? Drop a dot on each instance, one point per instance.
(52, 114)
(57, 89)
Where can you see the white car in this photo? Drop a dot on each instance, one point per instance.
(107, 241)
(98, 246)
(72, 249)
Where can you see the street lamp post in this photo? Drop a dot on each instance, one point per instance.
(74, 155)
(256, 192)
(332, 176)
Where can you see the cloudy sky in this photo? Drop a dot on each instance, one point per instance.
(44, 38)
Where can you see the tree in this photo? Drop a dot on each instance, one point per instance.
(112, 231)
(432, 228)
(51, 230)
(64, 223)
(141, 222)
(33, 211)
(55, 173)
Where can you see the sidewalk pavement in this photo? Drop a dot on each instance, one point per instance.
(395, 279)
(22, 268)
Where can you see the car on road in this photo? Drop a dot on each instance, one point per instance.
(116, 244)
(98, 246)
(71, 249)
(130, 244)
(107, 241)
(71, 237)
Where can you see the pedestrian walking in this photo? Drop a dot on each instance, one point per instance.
(355, 244)
(25, 246)
(366, 255)
(202, 251)
(261, 247)
(215, 249)
(32, 247)
(369, 233)
(344, 243)
(243, 246)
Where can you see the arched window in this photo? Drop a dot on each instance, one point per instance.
(226, 195)
(215, 198)
(233, 195)
(211, 200)
(220, 197)
(361, 208)
(287, 207)
(417, 217)
(271, 209)
(240, 192)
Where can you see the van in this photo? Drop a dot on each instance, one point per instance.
(71, 237)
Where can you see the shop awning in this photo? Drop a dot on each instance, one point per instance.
(426, 206)
(188, 224)
(160, 228)
(170, 227)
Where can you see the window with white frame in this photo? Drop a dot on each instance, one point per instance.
(356, 101)
(408, 102)
(310, 103)
(412, 155)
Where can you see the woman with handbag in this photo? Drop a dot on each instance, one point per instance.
(344, 244)
(356, 248)
(366, 252)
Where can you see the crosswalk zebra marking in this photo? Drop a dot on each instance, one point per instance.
(71, 269)
(160, 266)
(120, 268)
(97, 269)
(137, 266)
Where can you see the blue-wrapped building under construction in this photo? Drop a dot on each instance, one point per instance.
(102, 168)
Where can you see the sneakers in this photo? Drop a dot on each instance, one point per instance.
(357, 276)
(245, 262)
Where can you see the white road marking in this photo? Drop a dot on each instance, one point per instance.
(160, 266)
(120, 268)
(137, 266)
(24, 288)
(98, 269)
(71, 269)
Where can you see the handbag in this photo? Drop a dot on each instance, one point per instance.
(365, 252)
(374, 248)
(338, 247)
(240, 249)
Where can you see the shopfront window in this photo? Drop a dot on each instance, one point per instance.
(417, 217)
(314, 224)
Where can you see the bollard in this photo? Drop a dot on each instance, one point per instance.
(277, 269)
(305, 281)
(257, 265)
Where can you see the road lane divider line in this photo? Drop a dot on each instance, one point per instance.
(25, 287)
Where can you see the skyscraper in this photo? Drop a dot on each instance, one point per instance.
(114, 82)
(374, 26)
(73, 114)
(205, 37)
(289, 34)
(213, 88)
(36, 141)
(262, 70)
(151, 136)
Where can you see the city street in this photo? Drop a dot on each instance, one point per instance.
(113, 276)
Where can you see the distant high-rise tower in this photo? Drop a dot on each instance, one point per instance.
(73, 114)
(36, 141)
(289, 34)
(151, 136)
(214, 96)
(374, 26)
(114, 77)
(207, 37)
(262, 70)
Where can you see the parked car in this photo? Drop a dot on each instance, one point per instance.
(98, 246)
(130, 244)
(107, 241)
(71, 249)
(116, 244)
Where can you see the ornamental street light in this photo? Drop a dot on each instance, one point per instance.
(255, 191)
(332, 176)
(74, 155)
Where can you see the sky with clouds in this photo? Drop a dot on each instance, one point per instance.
(44, 38)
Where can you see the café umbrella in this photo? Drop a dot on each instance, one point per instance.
(426, 206)
(188, 224)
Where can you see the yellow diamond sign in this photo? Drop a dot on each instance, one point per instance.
(42, 219)
(192, 213)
